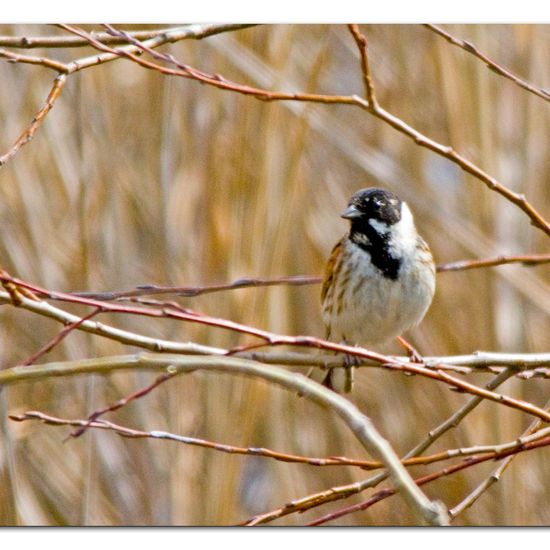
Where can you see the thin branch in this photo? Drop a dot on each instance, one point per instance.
(308, 502)
(522, 365)
(16, 292)
(483, 487)
(524, 259)
(452, 422)
(492, 451)
(192, 291)
(497, 397)
(309, 341)
(174, 364)
(138, 394)
(231, 449)
(70, 368)
(493, 65)
(362, 45)
(34, 60)
(194, 31)
(458, 416)
(28, 134)
(294, 280)
(508, 452)
(170, 36)
(63, 333)
(480, 361)
(174, 312)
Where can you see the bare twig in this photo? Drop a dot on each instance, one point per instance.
(179, 364)
(493, 65)
(231, 449)
(63, 333)
(497, 397)
(192, 291)
(522, 365)
(69, 368)
(34, 60)
(93, 421)
(194, 31)
(183, 364)
(524, 259)
(123, 402)
(485, 485)
(28, 134)
(435, 368)
(457, 417)
(452, 422)
(172, 312)
(496, 450)
(362, 45)
(16, 293)
(296, 280)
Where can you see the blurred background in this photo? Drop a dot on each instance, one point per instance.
(138, 178)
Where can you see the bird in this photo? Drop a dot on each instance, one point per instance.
(379, 279)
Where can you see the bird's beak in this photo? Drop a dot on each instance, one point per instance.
(350, 213)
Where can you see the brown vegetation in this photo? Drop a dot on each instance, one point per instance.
(135, 177)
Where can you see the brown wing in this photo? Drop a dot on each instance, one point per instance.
(331, 268)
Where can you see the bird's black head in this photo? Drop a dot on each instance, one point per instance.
(374, 215)
(373, 204)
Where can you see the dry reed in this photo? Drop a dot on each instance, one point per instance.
(136, 177)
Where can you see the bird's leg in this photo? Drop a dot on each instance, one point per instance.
(412, 352)
(350, 362)
(340, 380)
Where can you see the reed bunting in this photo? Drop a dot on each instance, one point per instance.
(379, 280)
